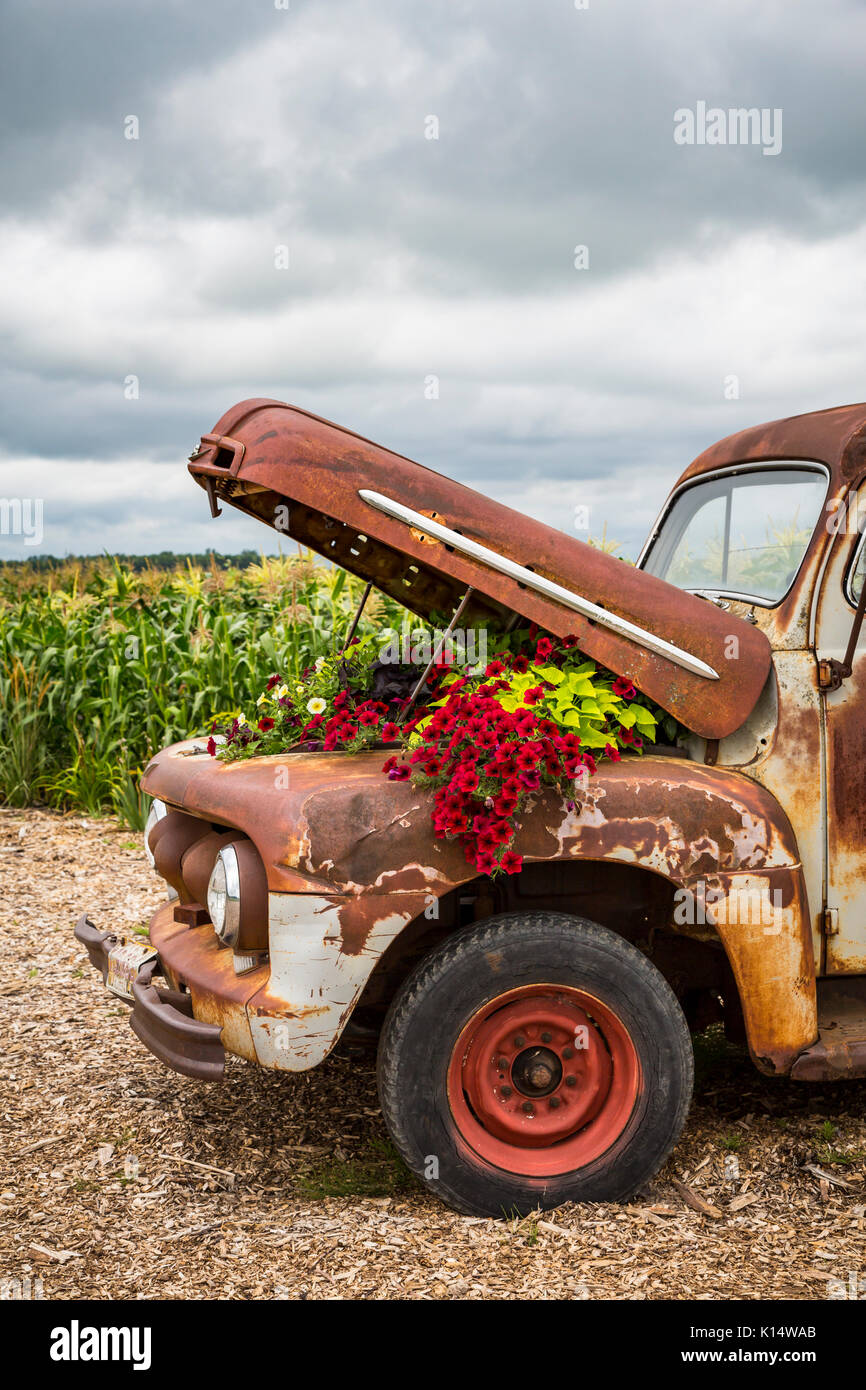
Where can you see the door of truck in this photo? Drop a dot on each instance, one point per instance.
(845, 741)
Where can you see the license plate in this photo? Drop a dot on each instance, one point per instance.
(124, 962)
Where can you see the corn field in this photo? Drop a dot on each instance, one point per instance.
(101, 666)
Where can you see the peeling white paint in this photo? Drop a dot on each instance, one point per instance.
(316, 982)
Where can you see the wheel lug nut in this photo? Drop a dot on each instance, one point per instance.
(502, 1063)
(571, 1081)
(547, 1037)
(505, 1091)
(520, 1040)
(568, 1052)
(527, 1106)
(554, 1102)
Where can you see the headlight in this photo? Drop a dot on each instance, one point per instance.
(224, 896)
(158, 809)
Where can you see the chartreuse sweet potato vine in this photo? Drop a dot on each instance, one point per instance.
(484, 740)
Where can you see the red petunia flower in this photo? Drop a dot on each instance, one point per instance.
(526, 757)
(623, 687)
(212, 747)
(467, 780)
(266, 723)
(543, 648)
(511, 862)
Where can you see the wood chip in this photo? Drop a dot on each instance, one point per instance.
(827, 1177)
(696, 1202)
(61, 1255)
(745, 1199)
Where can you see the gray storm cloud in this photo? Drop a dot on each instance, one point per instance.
(268, 135)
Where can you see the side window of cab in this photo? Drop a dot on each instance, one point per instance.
(856, 573)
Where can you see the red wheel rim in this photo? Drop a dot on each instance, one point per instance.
(543, 1080)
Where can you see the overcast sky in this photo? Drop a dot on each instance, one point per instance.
(410, 257)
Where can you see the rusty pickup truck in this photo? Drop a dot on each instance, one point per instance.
(534, 1029)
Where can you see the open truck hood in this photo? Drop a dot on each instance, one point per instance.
(424, 539)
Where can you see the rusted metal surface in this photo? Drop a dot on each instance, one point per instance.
(162, 1019)
(95, 942)
(304, 476)
(343, 827)
(322, 950)
(836, 438)
(840, 1051)
(845, 734)
(192, 957)
(811, 752)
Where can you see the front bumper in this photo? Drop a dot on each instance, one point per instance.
(162, 1018)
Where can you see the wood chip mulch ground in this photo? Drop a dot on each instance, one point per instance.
(121, 1180)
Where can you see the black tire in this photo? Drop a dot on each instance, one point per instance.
(464, 975)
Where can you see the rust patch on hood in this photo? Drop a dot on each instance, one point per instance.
(340, 826)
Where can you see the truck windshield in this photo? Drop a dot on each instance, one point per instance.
(743, 533)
